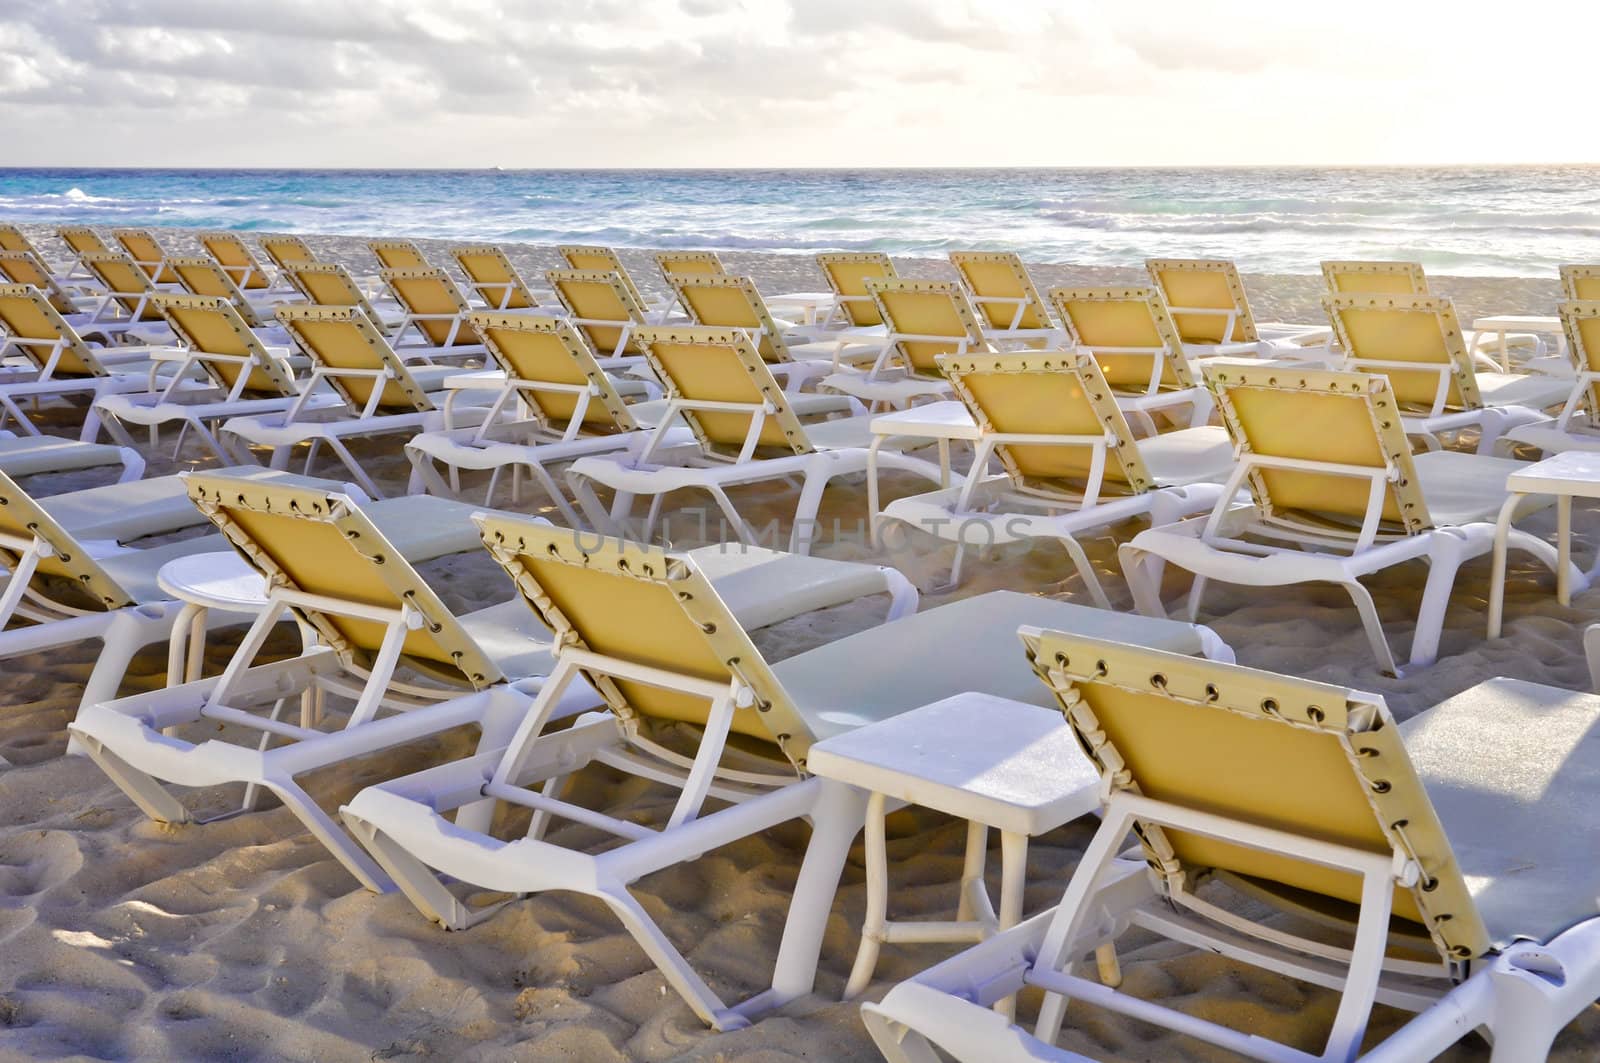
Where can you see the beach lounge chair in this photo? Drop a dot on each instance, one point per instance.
(1577, 426)
(999, 288)
(1427, 865)
(14, 240)
(286, 251)
(1581, 283)
(147, 253)
(205, 276)
(61, 363)
(1416, 341)
(393, 664)
(125, 293)
(650, 632)
(241, 377)
(573, 409)
(588, 259)
(23, 267)
(1071, 463)
(1131, 335)
(73, 575)
(1337, 495)
(747, 429)
(1206, 299)
(379, 394)
(847, 274)
(330, 284)
(81, 240)
(234, 255)
(724, 301)
(675, 264)
(1375, 278)
(925, 319)
(602, 305)
(494, 278)
(398, 254)
(435, 309)
(26, 456)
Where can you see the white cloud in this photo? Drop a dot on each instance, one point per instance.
(787, 82)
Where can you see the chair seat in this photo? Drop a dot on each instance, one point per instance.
(1534, 390)
(971, 644)
(763, 587)
(1188, 455)
(1464, 488)
(135, 570)
(1513, 770)
(125, 511)
(30, 455)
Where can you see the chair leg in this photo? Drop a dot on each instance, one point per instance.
(325, 830)
(1373, 626)
(1142, 571)
(672, 964)
(1086, 570)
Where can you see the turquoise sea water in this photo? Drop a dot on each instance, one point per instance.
(1520, 221)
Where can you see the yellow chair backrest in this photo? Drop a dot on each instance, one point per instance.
(927, 310)
(731, 302)
(1049, 393)
(1204, 284)
(26, 315)
(848, 273)
(699, 363)
(286, 251)
(67, 574)
(1581, 282)
(602, 303)
(306, 535)
(142, 247)
(494, 278)
(434, 297)
(1373, 277)
(207, 324)
(1378, 331)
(342, 337)
(205, 276)
(549, 350)
(591, 259)
(688, 264)
(81, 239)
(234, 256)
(329, 284)
(129, 284)
(1111, 323)
(398, 254)
(641, 605)
(13, 239)
(1000, 275)
(1580, 319)
(1318, 761)
(24, 267)
(1350, 420)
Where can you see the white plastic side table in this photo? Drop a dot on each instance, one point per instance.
(941, 421)
(202, 582)
(989, 760)
(1568, 475)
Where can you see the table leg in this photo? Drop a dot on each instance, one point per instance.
(872, 490)
(944, 462)
(195, 666)
(974, 903)
(1564, 549)
(1013, 878)
(178, 646)
(875, 923)
(1497, 573)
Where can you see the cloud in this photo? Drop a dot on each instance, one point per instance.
(748, 82)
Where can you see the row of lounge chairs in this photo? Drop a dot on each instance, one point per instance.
(1087, 407)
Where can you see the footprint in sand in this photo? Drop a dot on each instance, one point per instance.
(34, 862)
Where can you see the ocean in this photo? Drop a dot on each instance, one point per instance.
(1513, 221)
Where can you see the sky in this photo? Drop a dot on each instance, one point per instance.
(787, 83)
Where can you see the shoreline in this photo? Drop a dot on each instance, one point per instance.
(1289, 297)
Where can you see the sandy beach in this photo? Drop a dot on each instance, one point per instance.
(243, 940)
